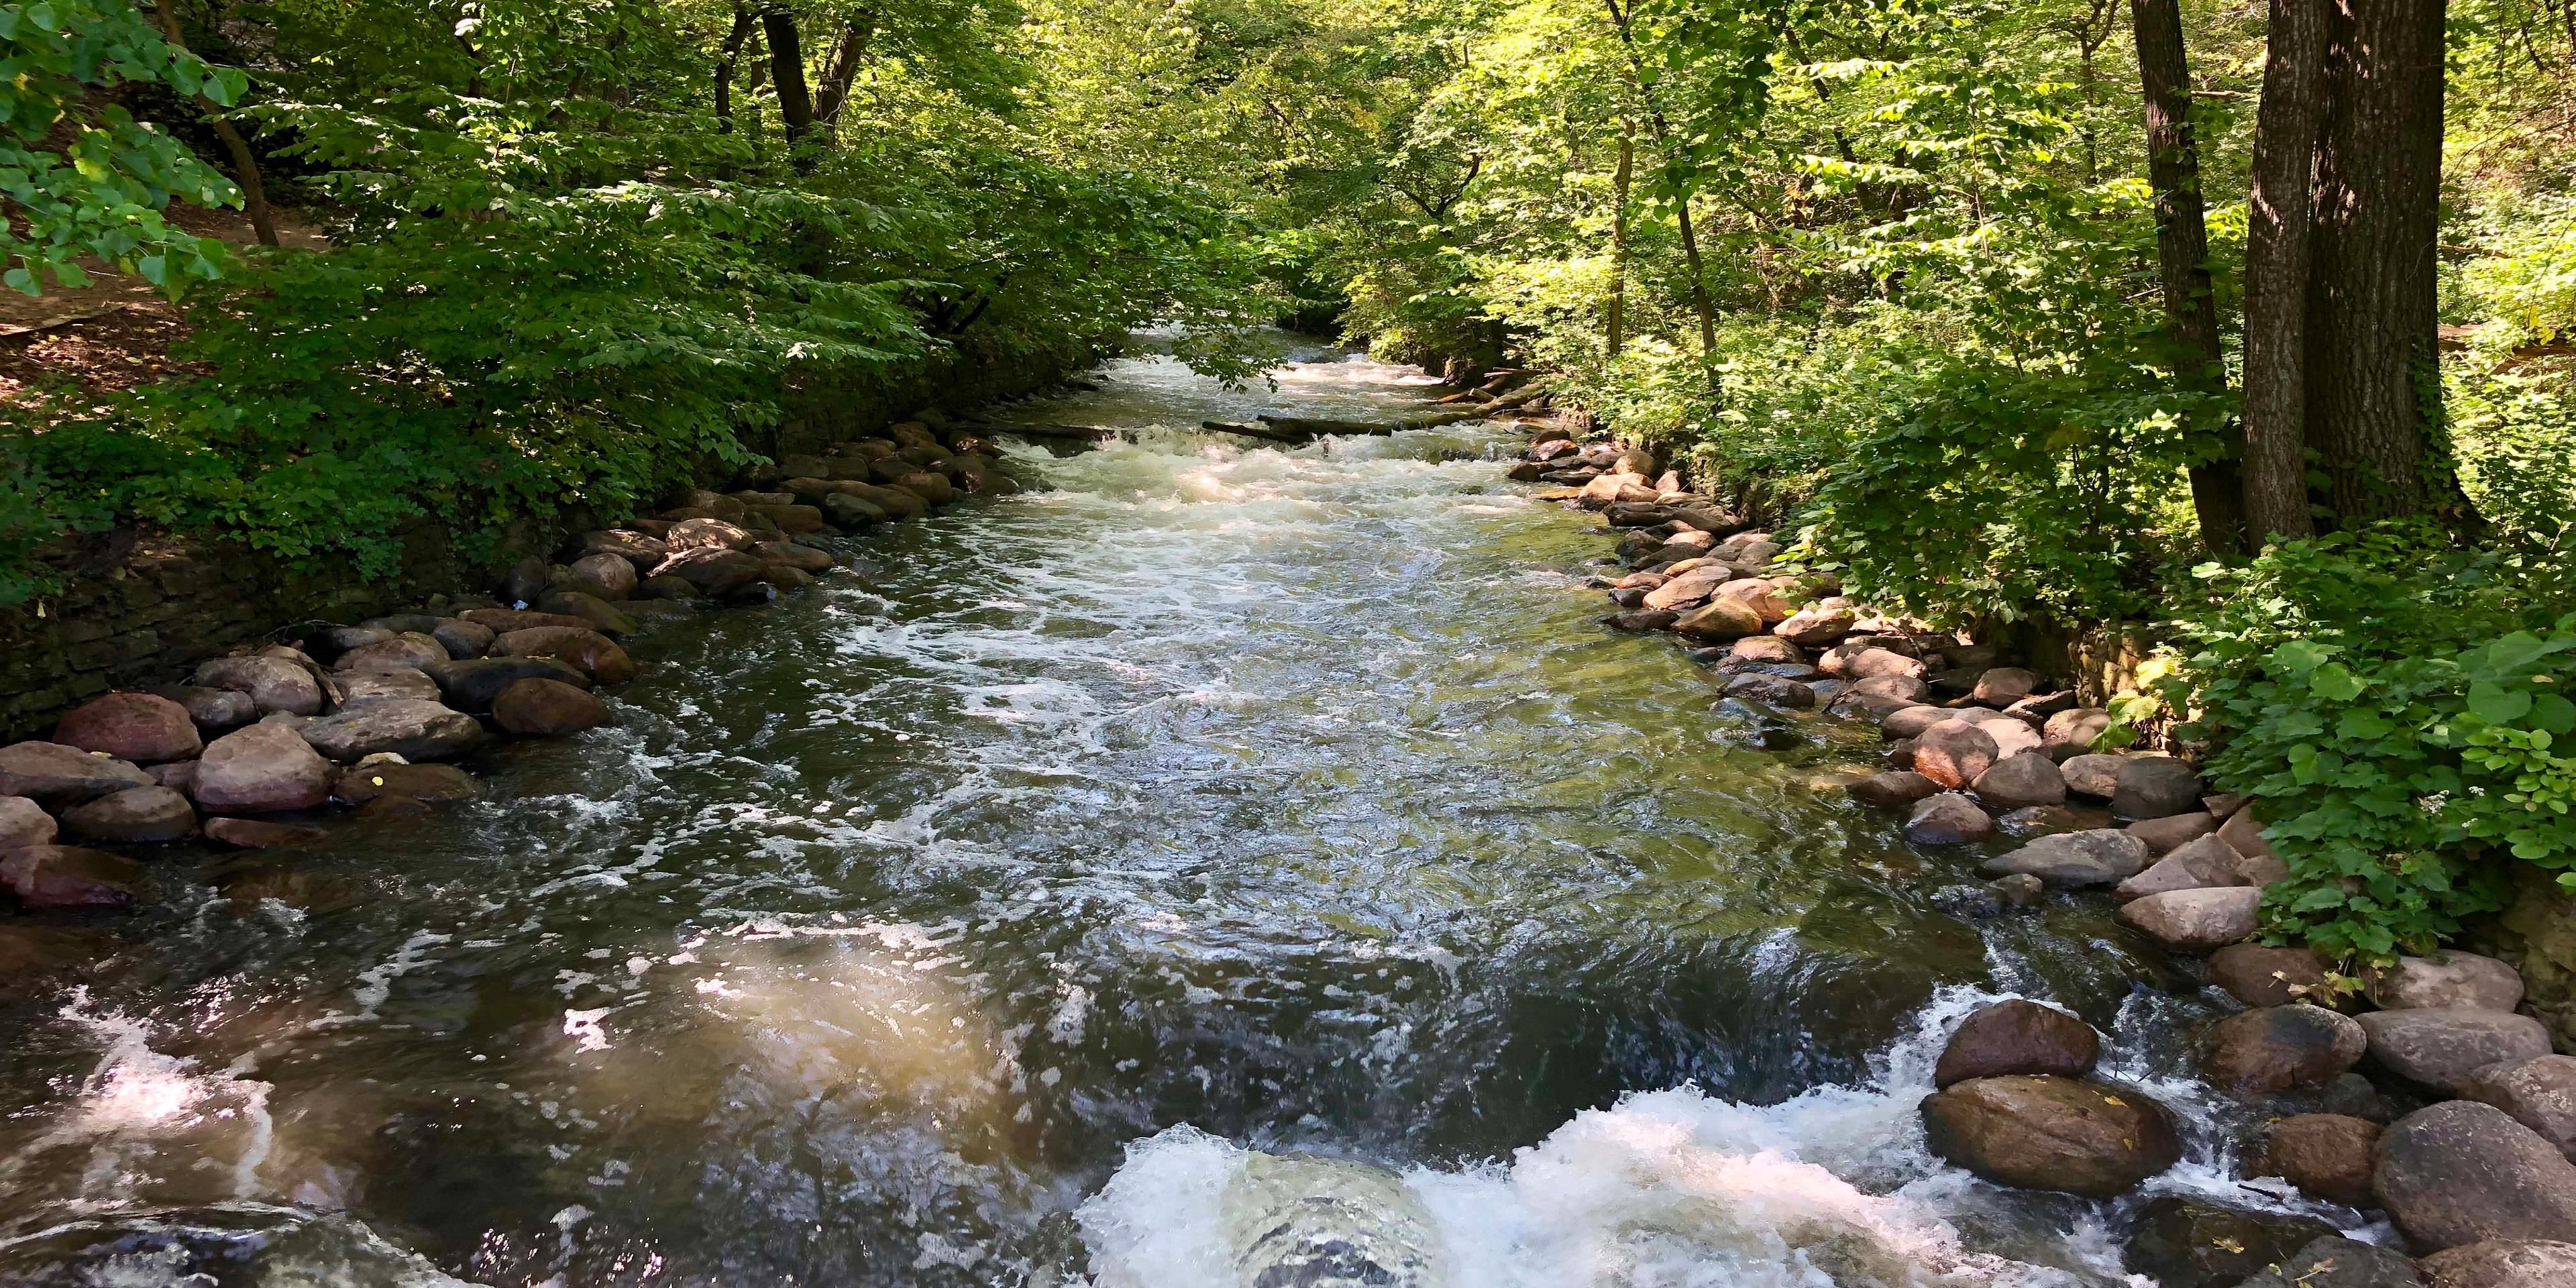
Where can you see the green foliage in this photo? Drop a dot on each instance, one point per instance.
(101, 188)
(2400, 715)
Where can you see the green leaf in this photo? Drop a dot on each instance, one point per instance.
(2298, 657)
(2551, 713)
(21, 280)
(2498, 706)
(2335, 683)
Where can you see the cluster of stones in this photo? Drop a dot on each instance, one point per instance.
(367, 715)
(2482, 1180)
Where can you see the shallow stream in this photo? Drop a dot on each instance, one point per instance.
(1217, 865)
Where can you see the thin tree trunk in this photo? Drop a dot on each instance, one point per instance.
(2276, 271)
(2372, 374)
(263, 224)
(725, 62)
(2182, 256)
(846, 57)
(1619, 179)
(787, 72)
(1672, 181)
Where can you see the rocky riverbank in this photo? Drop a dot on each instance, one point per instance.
(261, 749)
(2426, 1097)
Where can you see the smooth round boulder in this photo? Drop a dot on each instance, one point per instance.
(2196, 920)
(2504, 1263)
(1896, 787)
(274, 684)
(706, 534)
(212, 710)
(2258, 975)
(2253, 1053)
(1816, 625)
(2021, 781)
(1910, 722)
(794, 555)
(407, 652)
(361, 687)
(593, 612)
(1949, 818)
(2462, 1172)
(462, 638)
(1857, 660)
(2003, 686)
(407, 727)
(665, 588)
(2442, 1048)
(2097, 856)
(55, 775)
(2539, 1093)
(543, 708)
(2186, 1243)
(1953, 753)
(2326, 1155)
(595, 654)
(1885, 695)
(2076, 728)
(714, 573)
(2155, 786)
(2048, 1133)
(2017, 1037)
(611, 577)
(436, 783)
(2020, 890)
(1719, 619)
(638, 550)
(24, 822)
(1770, 648)
(263, 769)
(69, 876)
(135, 816)
(2094, 776)
(2445, 979)
(472, 686)
(846, 511)
(138, 727)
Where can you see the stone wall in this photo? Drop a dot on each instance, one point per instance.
(140, 609)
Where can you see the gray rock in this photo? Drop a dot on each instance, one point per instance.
(2098, 857)
(2504, 1263)
(471, 686)
(2019, 781)
(408, 727)
(2199, 865)
(2442, 1048)
(1896, 787)
(52, 774)
(23, 822)
(2445, 979)
(213, 710)
(2164, 835)
(1949, 818)
(2003, 686)
(273, 683)
(2077, 728)
(2539, 1093)
(462, 638)
(2338, 1262)
(2020, 890)
(135, 816)
(2461, 1172)
(1910, 722)
(2094, 776)
(262, 769)
(2185, 1243)
(2155, 786)
(2257, 1052)
(2196, 920)
(1771, 690)
(376, 686)
(2263, 976)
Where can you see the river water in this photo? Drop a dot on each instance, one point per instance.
(1217, 865)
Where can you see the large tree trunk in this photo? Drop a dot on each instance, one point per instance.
(2372, 382)
(1619, 180)
(787, 71)
(846, 57)
(2182, 255)
(2276, 271)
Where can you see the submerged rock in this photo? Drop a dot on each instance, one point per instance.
(2050, 1133)
(1896, 787)
(2186, 1243)
(544, 708)
(69, 876)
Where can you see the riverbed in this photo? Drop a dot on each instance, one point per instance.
(1066, 891)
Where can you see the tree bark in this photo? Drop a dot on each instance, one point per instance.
(2276, 271)
(2372, 375)
(263, 224)
(846, 57)
(725, 62)
(1672, 180)
(787, 72)
(2182, 257)
(1619, 179)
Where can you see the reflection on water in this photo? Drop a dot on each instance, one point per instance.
(913, 929)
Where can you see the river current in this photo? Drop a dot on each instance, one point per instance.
(1219, 864)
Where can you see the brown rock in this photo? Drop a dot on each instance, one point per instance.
(2327, 1155)
(2019, 781)
(2461, 1172)
(2200, 865)
(2245, 834)
(1910, 722)
(541, 708)
(2155, 786)
(601, 616)
(50, 773)
(2076, 728)
(502, 621)
(439, 783)
(1719, 619)
(1771, 690)
(2017, 1037)
(23, 822)
(1953, 752)
(2162, 835)
(216, 710)
(273, 683)
(2257, 1052)
(2185, 1243)
(473, 686)
(68, 876)
(638, 550)
(610, 576)
(139, 727)
(706, 534)
(378, 686)
(401, 652)
(2003, 686)
(135, 816)
(1898, 787)
(2048, 1133)
(2261, 976)
(805, 558)
(1817, 624)
(2196, 920)
(2094, 776)
(255, 834)
(596, 655)
(1767, 648)
(1949, 818)
(262, 769)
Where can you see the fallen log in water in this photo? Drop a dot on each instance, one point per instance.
(1316, 426)
(1264, 432)
(1513, 399)
(1086, 433)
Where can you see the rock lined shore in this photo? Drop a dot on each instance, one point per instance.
(260, 750)
(2448, 1112)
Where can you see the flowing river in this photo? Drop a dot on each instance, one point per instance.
(1221, 864)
